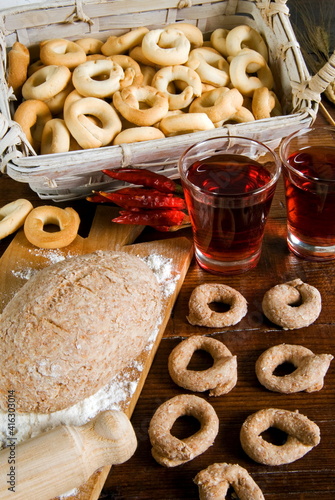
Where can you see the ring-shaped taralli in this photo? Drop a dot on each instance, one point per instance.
(138, 134)
(18, 63)
(310, 369)
(302, 436)
(265, 104)
(218, 40)
(120, 44)
(214, 481)
(169, 74)
(167, 449)
(87, 133)
(244, 36)
(13, 215)
(201, 314)
(219, 104)
(210, 65)
(280, 304)
(132, 70)
(243, 80)
(127, 102)
(55, 137)
(166, 47)
(90, 45)
(192, 33)
(46, 82)
(61, 52)
(185, 123)
(32, 115)
(98, 78)
(66, 219)
(219, 379)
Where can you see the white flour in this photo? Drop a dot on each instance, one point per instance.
(115, 395)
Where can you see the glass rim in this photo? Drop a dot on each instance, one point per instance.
(268, 185)
(293, 169)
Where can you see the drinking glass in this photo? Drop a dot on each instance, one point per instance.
(308, 160)
(229, 183)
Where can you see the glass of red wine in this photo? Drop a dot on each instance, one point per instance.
(229, 183)
(308, 160)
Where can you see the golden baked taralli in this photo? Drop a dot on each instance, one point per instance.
(56, 137)
(280, 304)
(99, 78)
(13, 215)
(218, 379)
(32, 115)
(302, 436)
(215, 480)
(310, 369)
(167, 449)
(169, 74)
(66, 219)
(18, 63)
(184, 123)
(243, 79)
(62, 52)
(220, 104)
(127, 102)
(166, 47)
(46, 82)
(201, 314)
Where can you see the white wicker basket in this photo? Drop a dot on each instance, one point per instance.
(73, 175)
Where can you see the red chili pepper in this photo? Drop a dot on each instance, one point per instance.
(144, 198)
(97, 198)
(152, 217)
(146, 178)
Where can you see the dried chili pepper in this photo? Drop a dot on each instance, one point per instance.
(152, 217)
(146, 178)
(143, 198)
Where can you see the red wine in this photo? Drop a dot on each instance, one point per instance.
(228, 224)
(311, 205)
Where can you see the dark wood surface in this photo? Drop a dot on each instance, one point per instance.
(311, 477)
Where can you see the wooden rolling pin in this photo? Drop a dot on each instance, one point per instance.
(64, 458)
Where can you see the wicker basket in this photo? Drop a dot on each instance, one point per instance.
(73, 175)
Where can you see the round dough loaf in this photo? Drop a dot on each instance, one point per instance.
(73, 326)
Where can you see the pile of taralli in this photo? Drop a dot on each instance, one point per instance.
(281, 304)
(142, 85)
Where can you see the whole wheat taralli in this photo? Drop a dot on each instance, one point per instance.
(81, 321)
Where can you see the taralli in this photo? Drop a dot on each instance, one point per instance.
(90, 45)
(244, 36)
(99, 78)
(166, 47)
(132, 70)
(302, 436)
(310, 369)
(32, 115)
(127, 102)
(192, 33)
(218, 379)
(167, 449)
(46, 82)
(169, 74)
(185, 123)
(280, 304)
(137, 54)
(55, 137)
(265, 104)
(56, 103)
(138, 134)
(210, 65)
(18, 63)
(241, 75)
(219, 104)
(201, 314)
(218, 40)
(13, 215)
(62, 52)
(87, 133)
(214, 482)
(121, 44)
(66, 219)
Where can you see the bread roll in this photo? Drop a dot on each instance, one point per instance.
(73, 326)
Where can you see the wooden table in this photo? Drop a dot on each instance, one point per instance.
(311, 477)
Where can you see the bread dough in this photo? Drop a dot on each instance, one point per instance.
(73, 326)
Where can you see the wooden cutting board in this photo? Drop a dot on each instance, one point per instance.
(21, 259)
